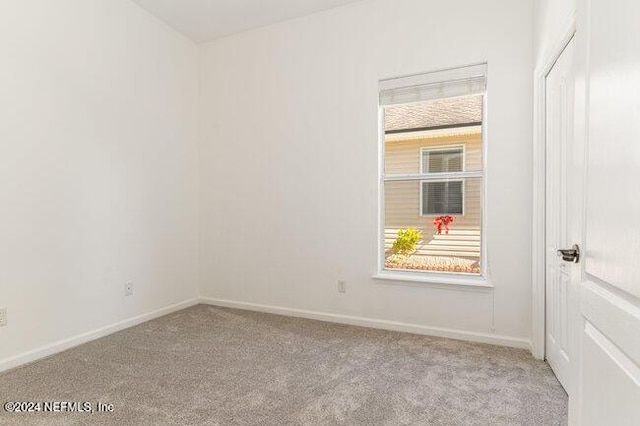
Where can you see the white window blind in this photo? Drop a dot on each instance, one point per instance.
(463, 81)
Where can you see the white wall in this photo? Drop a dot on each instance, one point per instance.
(289, 159)
(550, 21)
(98, 167)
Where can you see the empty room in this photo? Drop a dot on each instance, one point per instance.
(319, 212)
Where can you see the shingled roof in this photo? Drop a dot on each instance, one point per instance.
(433, 114)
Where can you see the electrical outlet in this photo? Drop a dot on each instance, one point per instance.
(128, 288)
(342, 286)
(3, 317)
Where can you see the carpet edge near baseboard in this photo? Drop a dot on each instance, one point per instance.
(470, 336)
(70, 342)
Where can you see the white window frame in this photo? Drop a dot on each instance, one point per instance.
(481, 283)
(424, 149)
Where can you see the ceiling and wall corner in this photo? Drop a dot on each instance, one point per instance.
(206, 20)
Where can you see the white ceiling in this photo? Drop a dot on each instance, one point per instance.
(205, 20)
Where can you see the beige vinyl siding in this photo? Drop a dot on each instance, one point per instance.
(403, 156)
(402, 199)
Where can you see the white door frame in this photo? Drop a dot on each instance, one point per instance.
(538, 251)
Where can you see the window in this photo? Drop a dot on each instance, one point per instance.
(442, 197)
(442, 160)
(432, 173)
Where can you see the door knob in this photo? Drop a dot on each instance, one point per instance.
(570, 255)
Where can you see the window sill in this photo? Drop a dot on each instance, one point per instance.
(457, 282)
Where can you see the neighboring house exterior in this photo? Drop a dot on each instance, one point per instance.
(448, 147)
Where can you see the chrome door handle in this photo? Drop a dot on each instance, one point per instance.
(570, 255)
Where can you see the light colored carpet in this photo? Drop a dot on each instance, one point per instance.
(217, 366)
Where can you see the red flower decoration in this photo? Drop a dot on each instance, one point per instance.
(443, 222)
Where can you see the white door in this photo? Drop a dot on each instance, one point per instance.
(608, 121)
(561, 212)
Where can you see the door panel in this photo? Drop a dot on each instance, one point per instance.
(610, 369)
(610, 357)
(559, 211)
(609, 374)
(614, 317)
(613, 226)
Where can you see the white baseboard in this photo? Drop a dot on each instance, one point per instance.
(62, 345)
(470, 336)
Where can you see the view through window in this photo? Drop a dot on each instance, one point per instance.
(433, 173)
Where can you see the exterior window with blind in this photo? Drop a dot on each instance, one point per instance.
(431, 177)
